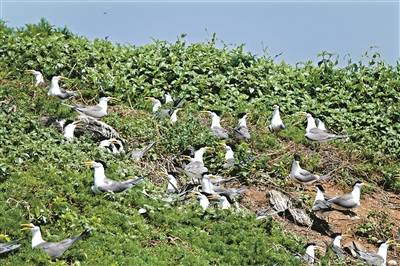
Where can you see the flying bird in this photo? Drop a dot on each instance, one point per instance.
(300, 175)
(95, 111)
(317, 134)
(56, 91)
(104, 184)
(53, 249)
(241, 131)
(276, 121)
(39, 80)
(216, 128)
(350, 200)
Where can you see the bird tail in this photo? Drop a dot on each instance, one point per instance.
(136, 181)
(148, 147)
(85, 233)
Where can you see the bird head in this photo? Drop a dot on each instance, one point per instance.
(29, 226)
(114, 141)
(276, 107)
(321, 188)
(242, 115)
(358, 184)
(297, 157)
(106, 99)
(96, 164)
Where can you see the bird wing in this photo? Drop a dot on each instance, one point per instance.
(9, 246)
(321, 205)
(345, 201)
(320, 135)
(305, 176)
(242, 132)
(370, 258)
(220, 132)
(119, 186)
(90, 110)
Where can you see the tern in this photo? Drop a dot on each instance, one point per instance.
(55, 89)
(206, 185)
(241, 131)
(196, 167)
(276, 121)
(95, 111)
(229, 157)
(39, 80)
(53, 249)
(309, 256)
(336, 246)
(320, 203)
(375, 259)
(113, 145)
(316, 134)
(140, 153)
(223, 203)
(104, 184)
(216, 127)
(320, 124)
(168, 98)
(203, 200)
(350, 200)
(174, 115)
(300, 175)
(69, 129)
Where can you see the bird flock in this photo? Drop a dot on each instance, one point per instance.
(210, 190)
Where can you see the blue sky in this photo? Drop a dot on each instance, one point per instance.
(298, 29)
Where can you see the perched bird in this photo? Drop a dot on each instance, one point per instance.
(350, 200)
(104, 184)
(174, 115)
(375, 259)
(9, 247)
(156, 104)
(229, 157)
(113, 145)
(53, 249)
(163, 113)
(39, 80)
(203, 200)
(276, 121)
(168, 98)
(309, 256)
(316, 134)
(206, 185)
(320, 203)
(69, 129)
(196, 167)
(172, 186)
(223, 203)
(241, 131)
(300, 175)
(55, 89)
(336, 246)
(229, 193)
(140, 153)
(95, 111)
(216, 127)
(320, 124)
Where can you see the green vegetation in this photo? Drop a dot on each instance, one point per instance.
(43, 179)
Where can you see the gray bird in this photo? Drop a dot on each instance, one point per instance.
(140, 153)
(241, 131)
(9, 247)
(276, 121)
(53, 249)
(56, 91)
(350, 200)
(195, 169)
(300, 175)
(316, 134)
(95, 111)
(320, 203)
(104, 184)
(309, 256)
(336, 246)
(229, 157)
(216, 128)
(375, 259)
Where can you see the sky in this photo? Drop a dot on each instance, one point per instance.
(297, 29)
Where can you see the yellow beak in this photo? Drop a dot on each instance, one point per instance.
(26, 227)
(89, 163)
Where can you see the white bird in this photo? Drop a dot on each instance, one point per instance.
(229, 157)
(241, 131)
(53, 249)
(276, 121)
(206, 185)
(216, 127)
(168, 98)
(320, 203)
(156, 104)
(196, 168)
(375, 259)
(69, 129)
(203, 200)
(309, 256)
(172, 186)
(113, 145)
(39, 80)
(104, 184)
(336, 246)
(223, 203)
(56, 91)
(174, 116)
(95, 111)
(300, 175)
(316, 134)
(350, 200)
